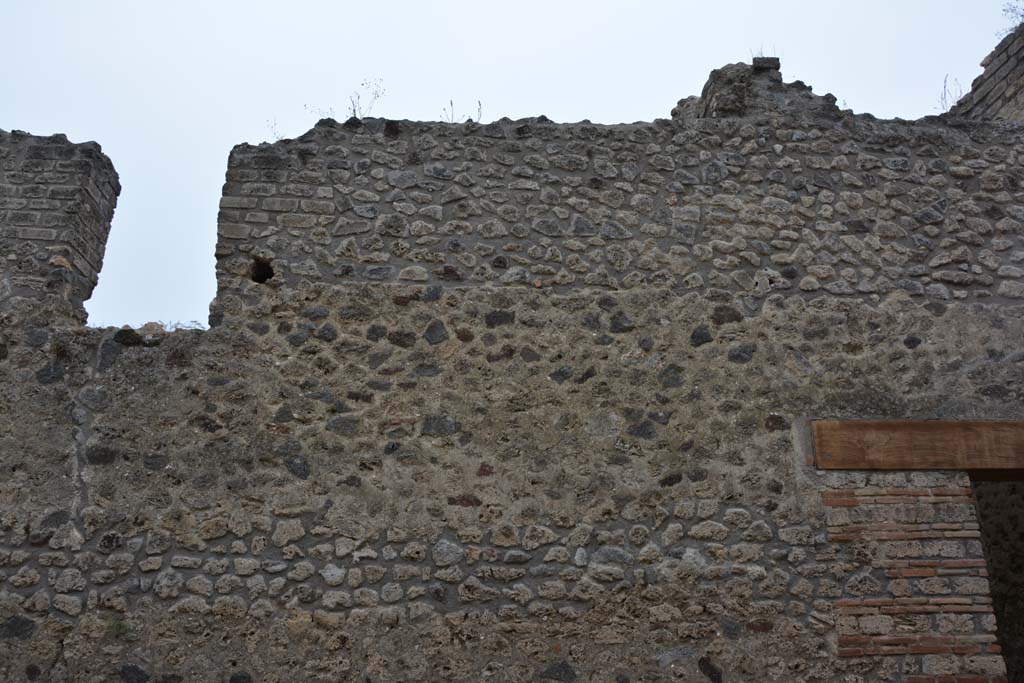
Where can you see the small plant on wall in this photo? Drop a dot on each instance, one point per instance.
(448, 113)
(361, 101)
(1014, 13)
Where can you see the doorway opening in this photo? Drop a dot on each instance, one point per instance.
(1000, 497)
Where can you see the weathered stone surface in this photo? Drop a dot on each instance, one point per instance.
(522, 395)
(446, 553)
(996, 93)
(57, 199)
(872, 209)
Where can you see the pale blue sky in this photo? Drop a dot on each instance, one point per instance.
(169, 88)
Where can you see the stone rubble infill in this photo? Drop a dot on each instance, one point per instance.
(813, 203)
(428, 438)
(535, 568)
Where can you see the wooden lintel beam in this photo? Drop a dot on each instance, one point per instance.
(918, 445)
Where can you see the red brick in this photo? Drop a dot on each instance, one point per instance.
(892, 640)
(915, 572)
(853, 640)
(841, 503)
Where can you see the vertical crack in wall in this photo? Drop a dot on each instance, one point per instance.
(90, 399)
(81, 431)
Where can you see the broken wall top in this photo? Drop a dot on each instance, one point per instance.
(996, 93)
(57, 199)
(755, 188)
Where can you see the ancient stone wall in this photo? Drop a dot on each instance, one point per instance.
(527, 402)
(799, 204)
(997, 92)
(56, 203)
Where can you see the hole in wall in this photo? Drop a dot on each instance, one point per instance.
(1000, 500)
(261, 270)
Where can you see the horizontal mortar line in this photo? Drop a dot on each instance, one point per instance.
(957, 678)
(954, 564)
(929, 638)
(937, 491)
(920, 649)
(919, 600)
(921, 572)
(896, 500)
(916, 609)
(902, 536)
(910, 572)
(907, 526)
(914, 602)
